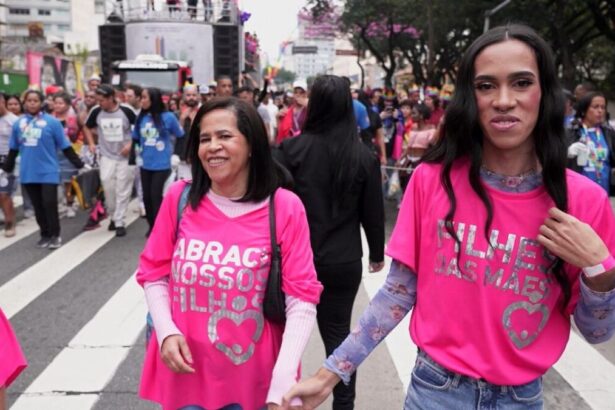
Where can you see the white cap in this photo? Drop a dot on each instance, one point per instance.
(94, 77)
(203, 89)
(300, 84)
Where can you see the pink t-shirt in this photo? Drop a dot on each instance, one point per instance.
(219, 269)
(12, 360)
(498, 318)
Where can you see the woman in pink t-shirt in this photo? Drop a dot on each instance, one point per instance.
(496, 244)
(205, 272)
(12, 360)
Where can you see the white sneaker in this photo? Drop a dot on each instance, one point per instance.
(70, 212)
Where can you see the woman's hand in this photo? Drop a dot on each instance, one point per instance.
(376, 266)
(572, 240)
(312, 391)
(176, 354)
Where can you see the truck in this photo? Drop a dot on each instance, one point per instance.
(151, 70)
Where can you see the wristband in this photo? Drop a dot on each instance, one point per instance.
(605, 266)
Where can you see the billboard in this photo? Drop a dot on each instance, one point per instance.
(183, 41)
(44, 70)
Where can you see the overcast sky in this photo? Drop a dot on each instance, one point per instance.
(273, 21)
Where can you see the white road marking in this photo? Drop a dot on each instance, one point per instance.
(93, 355)
(31, 283)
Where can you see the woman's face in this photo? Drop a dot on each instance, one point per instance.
(595, 112)
(224, 153)
(429, 102)
(406, 111)
(33, 103)
(13, 106)
(146, 103)
(507, 91)
(60, 106)
(416, 115)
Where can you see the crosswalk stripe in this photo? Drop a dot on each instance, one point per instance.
(98, 349)
(588, 372)
(31, 283)
(23, 229)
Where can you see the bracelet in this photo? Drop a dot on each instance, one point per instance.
(606, 265)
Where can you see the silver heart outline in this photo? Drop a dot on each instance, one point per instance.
(530, 309)
(238, 319)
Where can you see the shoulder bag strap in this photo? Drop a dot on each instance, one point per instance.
(181, 205)
(275, 248)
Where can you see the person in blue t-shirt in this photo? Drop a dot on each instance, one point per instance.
(36, 137)
(160, 138)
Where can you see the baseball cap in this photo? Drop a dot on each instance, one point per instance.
(51, 89)
(300, 84)
(105, 90)
(94, 77)
(203, 89)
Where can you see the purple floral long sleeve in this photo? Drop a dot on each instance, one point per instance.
(388, 307)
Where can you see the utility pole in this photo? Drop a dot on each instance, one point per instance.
(491, 12)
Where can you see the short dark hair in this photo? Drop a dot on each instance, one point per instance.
(265, 175)
(223, 77)
(137, 89)
(406, 102)
(245, 89)
(40, 95)
(64, 96)
(586, 101)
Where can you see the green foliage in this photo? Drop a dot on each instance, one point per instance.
(581, 33)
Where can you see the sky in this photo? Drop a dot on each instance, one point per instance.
(273, 21)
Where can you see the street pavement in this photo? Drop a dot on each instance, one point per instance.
(79, 315)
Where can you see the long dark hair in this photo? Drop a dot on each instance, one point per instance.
(462, 136)
(330, 116)
(265, 175)
(155, 110)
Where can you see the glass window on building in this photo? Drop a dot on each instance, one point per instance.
(63, 27)
(43, 12)
(19, 11)
(99, 6)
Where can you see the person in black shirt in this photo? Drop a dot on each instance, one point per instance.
(338, 180)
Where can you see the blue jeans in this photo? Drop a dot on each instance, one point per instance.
(434, 387)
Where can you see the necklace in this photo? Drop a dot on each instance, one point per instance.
(516, 183)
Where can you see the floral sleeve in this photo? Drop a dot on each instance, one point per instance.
(595, 314)
(390, 305)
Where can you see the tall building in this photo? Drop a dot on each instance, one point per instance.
(54, 15)
(63, 21)
(313, 52)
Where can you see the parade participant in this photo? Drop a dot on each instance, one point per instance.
(206, 93)
(192, 103)
(37, 137)
(224, 86)
(246, 93)
(63, 112)
(374, 137)
(591, 149)
(583, 88)
(112, 122)
(495, 229)
(420, 136)
(153, 132)
(7, 181)
(432, 101)
(94, 82)
(269, 113)
(293, 118)
(133, 97)
(251, 363)
(13, 104)
(12, 360)
(341, 191)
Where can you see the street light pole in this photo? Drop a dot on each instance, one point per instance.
(491, 12)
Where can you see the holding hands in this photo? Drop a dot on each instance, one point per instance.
(312, 391)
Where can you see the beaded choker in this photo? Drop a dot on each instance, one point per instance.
(523, 182)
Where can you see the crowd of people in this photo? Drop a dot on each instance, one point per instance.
(494, 225)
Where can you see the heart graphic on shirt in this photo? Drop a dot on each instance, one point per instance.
(524, 337)
(236, 353)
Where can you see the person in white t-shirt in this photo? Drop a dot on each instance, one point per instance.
(7, 181)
